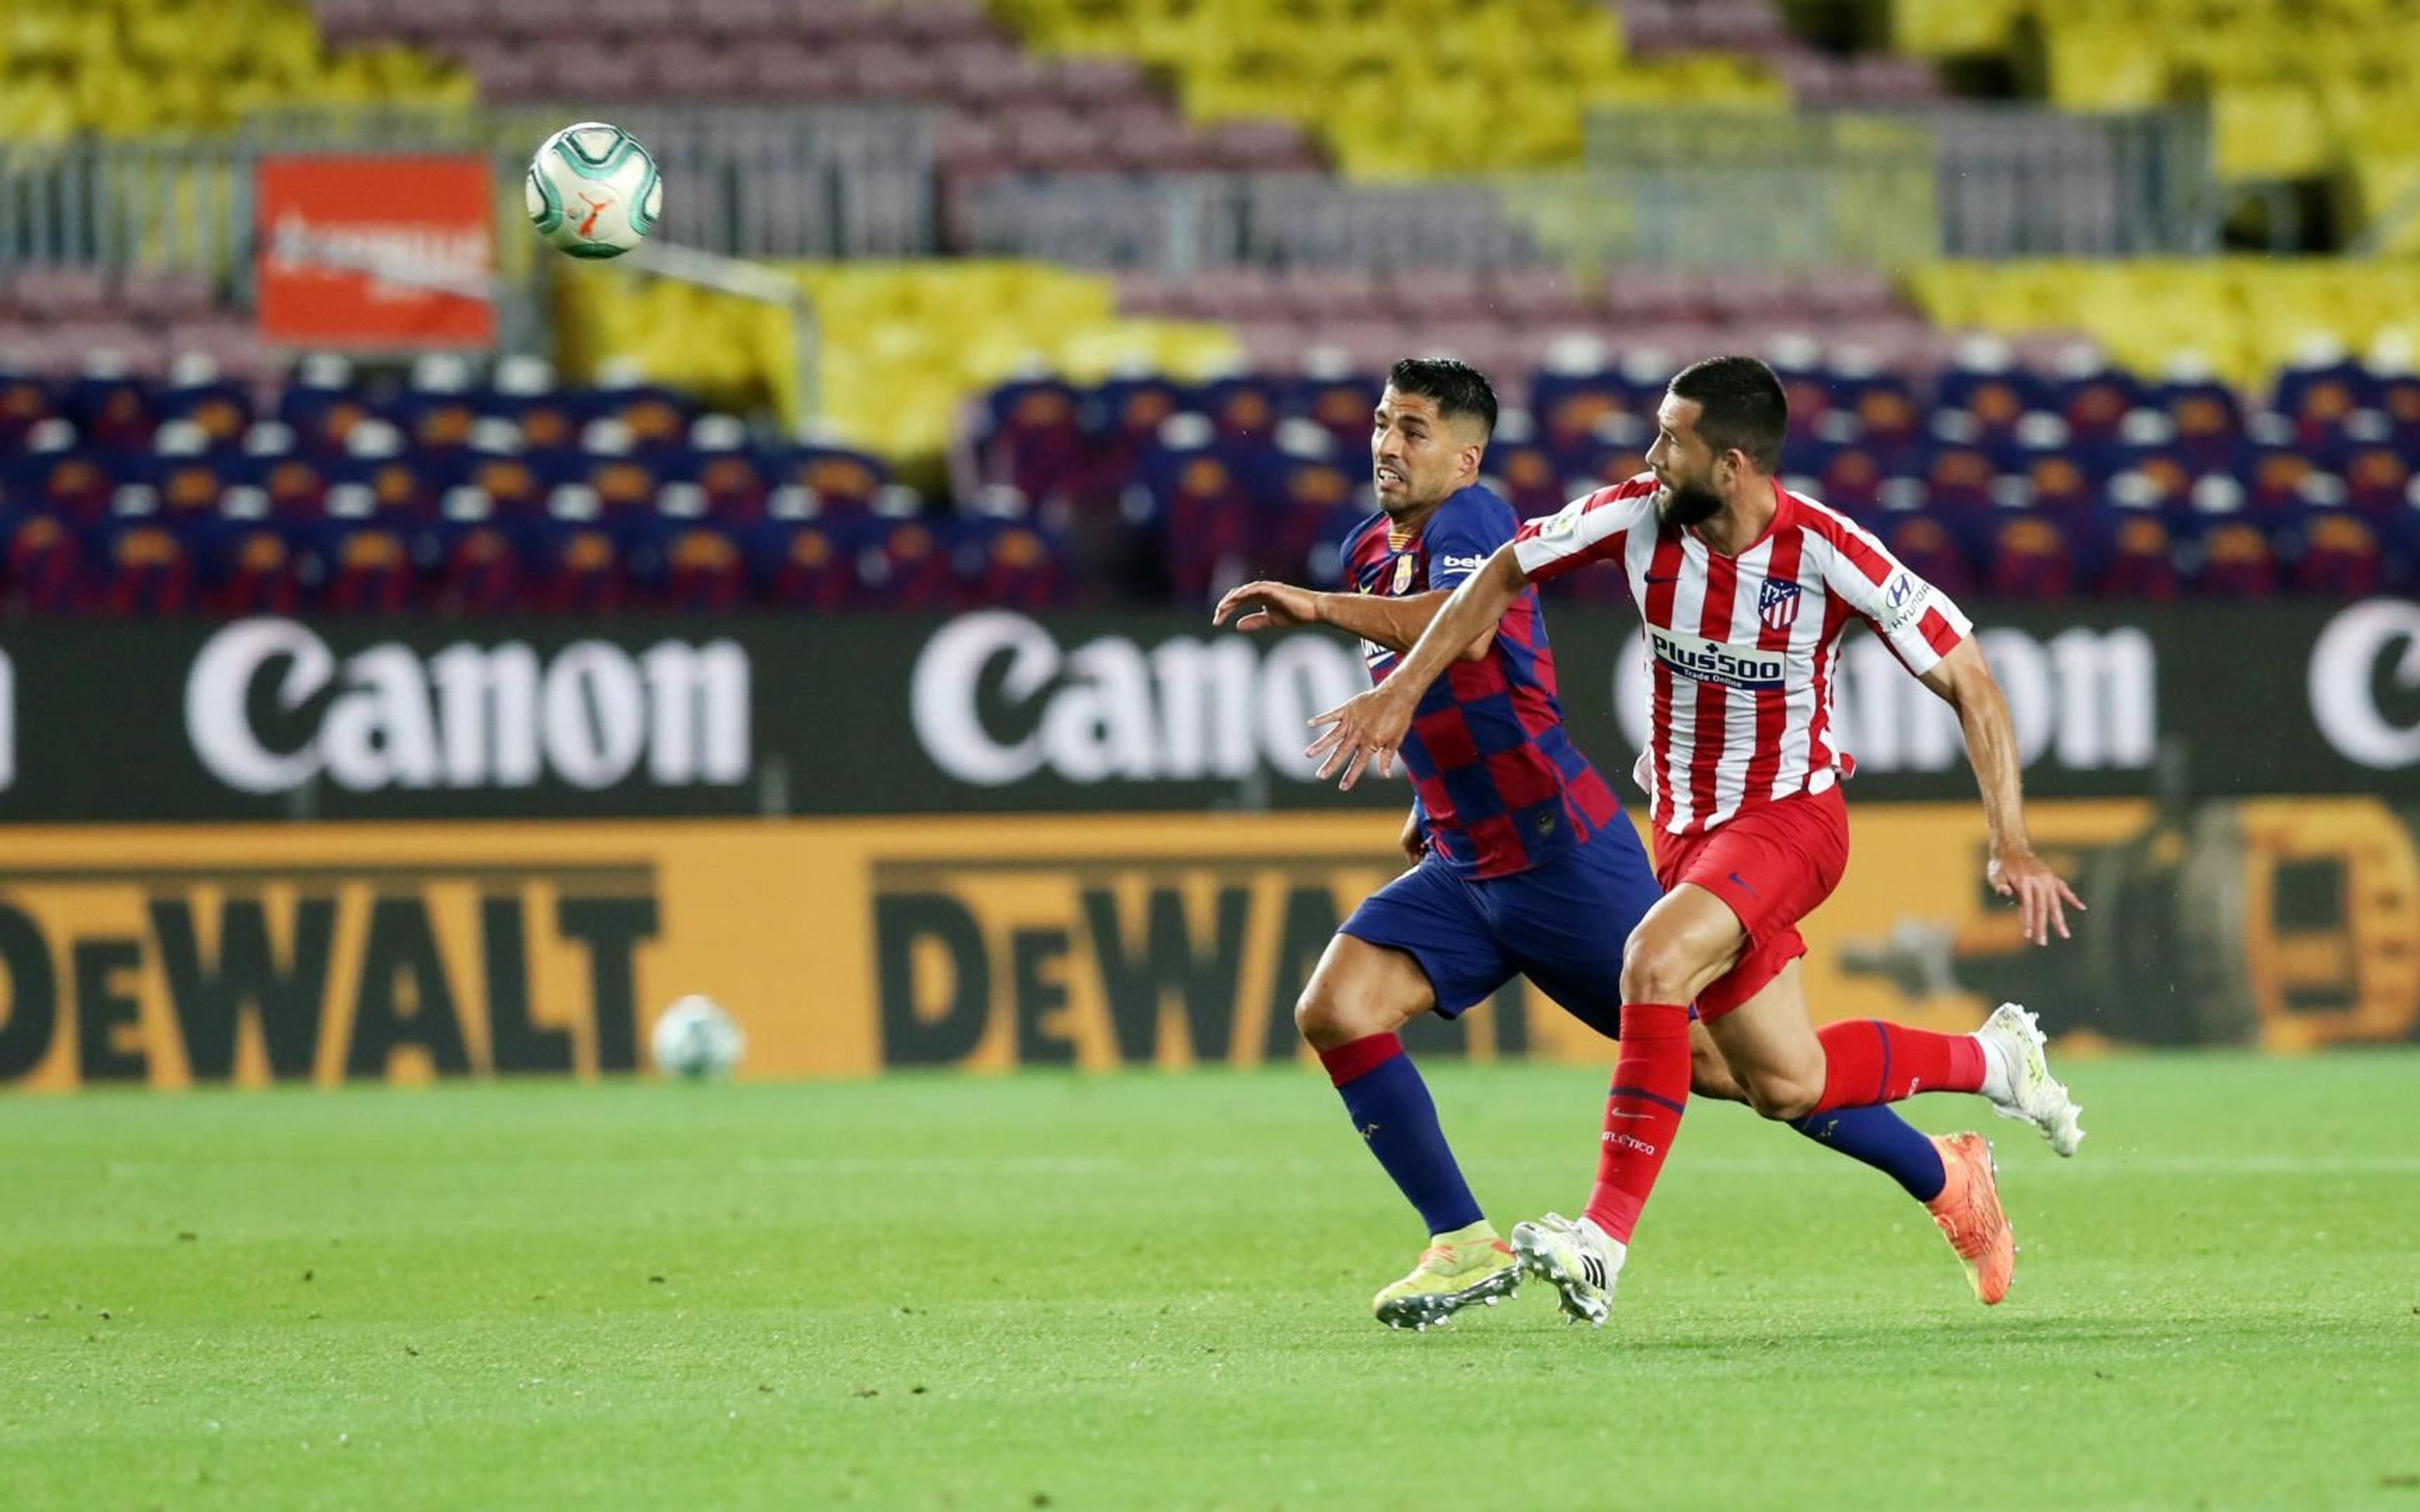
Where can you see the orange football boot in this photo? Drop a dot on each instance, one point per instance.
(1968, 1214)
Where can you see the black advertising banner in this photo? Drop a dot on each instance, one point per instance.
(1001, 711)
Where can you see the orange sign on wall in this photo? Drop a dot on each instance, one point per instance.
(379, 252)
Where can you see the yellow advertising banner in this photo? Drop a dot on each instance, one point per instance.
(251, 954)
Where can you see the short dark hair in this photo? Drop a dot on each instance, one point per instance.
(1458, 388)
(1740, 407)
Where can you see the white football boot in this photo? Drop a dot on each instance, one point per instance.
(1579, 1259)
(2018, 1081)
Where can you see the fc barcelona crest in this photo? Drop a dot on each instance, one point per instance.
(1777, 604)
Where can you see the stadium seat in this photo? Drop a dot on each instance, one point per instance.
(905, 565)
(2338, 555)
(2236, 561)
(43, 571)
(576, 570)
(1006, 563)
(2137, 559)
(477, 571)
(364, 568)
(704, 571)
(251, 569)
(2030, 558)
(142, 571)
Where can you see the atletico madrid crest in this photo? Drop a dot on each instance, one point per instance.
(1777, 604)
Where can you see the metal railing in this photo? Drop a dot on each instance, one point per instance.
(188, 207)
(183, 206)
(2003, 181)
(821, 182)
(1698, 189)
(1177, 224)
(1687, 187)
(1704, 189)
(742, 182)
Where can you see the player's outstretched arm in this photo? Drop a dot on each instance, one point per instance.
(1371, 726)
(1393, 622)
(1964, 681)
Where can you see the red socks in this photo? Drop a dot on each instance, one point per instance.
(1356, 1059)
(1867, 1062)
(1642, 1113)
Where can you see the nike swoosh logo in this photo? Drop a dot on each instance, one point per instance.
(1743, 886)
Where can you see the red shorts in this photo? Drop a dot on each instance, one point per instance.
(1772, 865)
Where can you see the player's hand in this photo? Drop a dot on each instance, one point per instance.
(1281, 606)
(1415, 844)
(1363, 731)
(2041, 899)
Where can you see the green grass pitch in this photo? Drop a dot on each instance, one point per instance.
(1149, 1291)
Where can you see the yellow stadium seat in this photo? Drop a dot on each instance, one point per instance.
(1398, 88)
(140, 66)
(2298, 88)
(901, 347)
(1947, 28)
(2268, 132)
(2243, 314)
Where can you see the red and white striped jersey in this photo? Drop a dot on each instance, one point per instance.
(1743, 650)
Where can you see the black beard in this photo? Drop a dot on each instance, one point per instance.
(1685, 504)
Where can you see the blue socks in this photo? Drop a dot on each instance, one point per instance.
(1393, 1113)
(1883, 1140)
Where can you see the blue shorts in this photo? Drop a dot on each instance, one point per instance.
(1562, 925)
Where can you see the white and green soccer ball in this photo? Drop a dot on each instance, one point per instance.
(592, 190)
(697, 1039)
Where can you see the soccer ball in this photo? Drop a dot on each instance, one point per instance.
(592, 190)
(696, 1040)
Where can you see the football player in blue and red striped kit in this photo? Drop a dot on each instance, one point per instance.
(1523, 862)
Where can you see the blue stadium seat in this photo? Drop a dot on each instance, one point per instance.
(41, 565)
(1034, 439)
(840, 480)
(476, 571)
(250, 568)
(808, 564)
(1007, 563)
(703, 570)
(363, 567)
(141, 571)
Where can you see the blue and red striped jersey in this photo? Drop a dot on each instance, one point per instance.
(1500, 786)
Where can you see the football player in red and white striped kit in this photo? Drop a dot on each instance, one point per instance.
(1745, 589)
